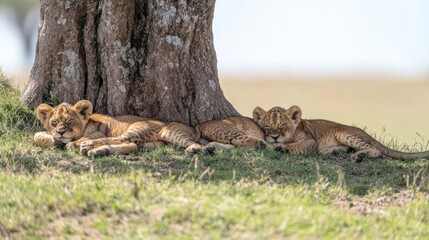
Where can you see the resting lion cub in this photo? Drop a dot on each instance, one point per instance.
(231, 132)
(98, 135)
(299, 136)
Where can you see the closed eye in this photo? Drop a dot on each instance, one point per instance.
(282, 126)
(267, 127)
(69, 121)
(54, 123)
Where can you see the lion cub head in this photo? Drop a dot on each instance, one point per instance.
(65, 122)
(278, 123)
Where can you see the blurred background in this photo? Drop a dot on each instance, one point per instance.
(358, 62)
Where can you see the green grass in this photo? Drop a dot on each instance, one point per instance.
(163, 194)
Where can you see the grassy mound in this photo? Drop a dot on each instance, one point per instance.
(14, 116)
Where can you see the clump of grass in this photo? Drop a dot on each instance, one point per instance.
(14, 115)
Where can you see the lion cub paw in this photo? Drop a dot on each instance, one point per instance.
(44, 139)
(281, 149)
(262, 145)
(193, 149)
(358, 157)
(209, 150)
(86, 146)
(99, 152)
(71, 146)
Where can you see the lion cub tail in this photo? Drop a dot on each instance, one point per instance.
(198, 136)
(398, 154)
(197, 133)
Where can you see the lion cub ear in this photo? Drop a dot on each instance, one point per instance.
(258, 112)
(43, 112)
(295, 114)
(84, 108)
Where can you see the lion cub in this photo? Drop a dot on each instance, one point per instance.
(76, 127)
(231, 132)
(299, 136)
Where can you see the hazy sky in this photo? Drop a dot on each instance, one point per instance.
(322, 36)
(12, 56)
(310, 36)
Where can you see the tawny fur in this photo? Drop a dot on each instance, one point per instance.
(295, 135)
(96, 134)
(231, 132)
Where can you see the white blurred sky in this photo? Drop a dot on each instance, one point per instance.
(300, 36)
(12, 55)
(317, 36)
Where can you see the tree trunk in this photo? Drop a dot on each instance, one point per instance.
(149, 58)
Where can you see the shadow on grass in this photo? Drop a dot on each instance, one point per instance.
(238, 164)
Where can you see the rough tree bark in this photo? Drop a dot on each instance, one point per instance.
(152, 58)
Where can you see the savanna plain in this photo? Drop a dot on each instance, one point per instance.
(237, 194)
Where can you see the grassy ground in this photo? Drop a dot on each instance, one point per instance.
(163, 194)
